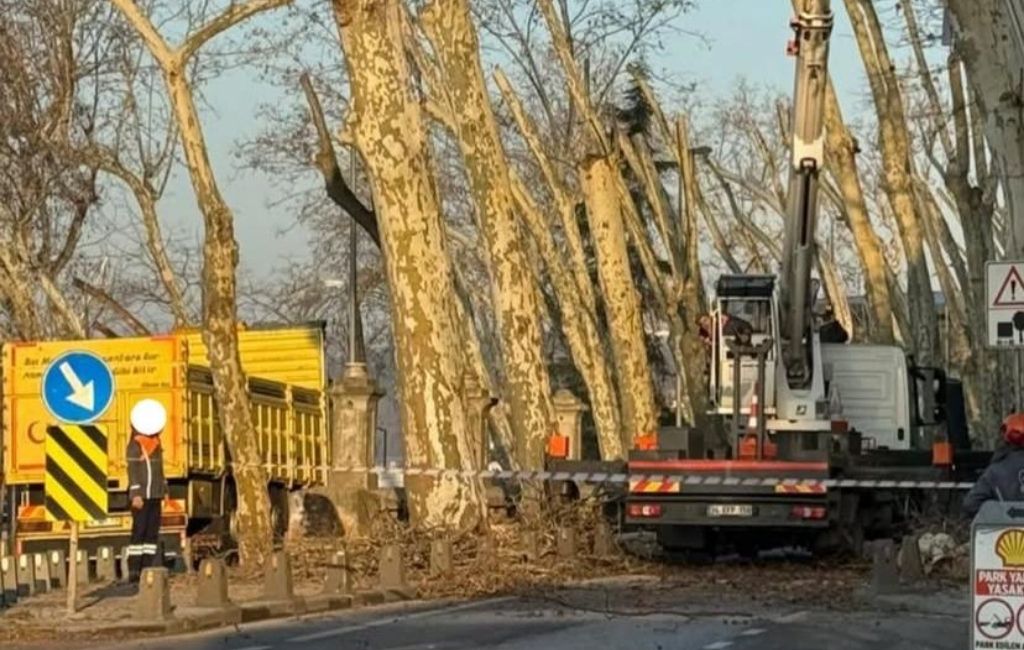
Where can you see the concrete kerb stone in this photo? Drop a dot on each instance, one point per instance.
(277, 583)
(58, 569)
(486, 551)
(531, 546)
(212, 585)
(105, 565)
(82, 566)
(566, 542)
(391, 572)
(26, 576)
(338, 581)
(8, 580)
(911, 568)
(884, 574)
(154, 600)
(440, 557)
(41, 568)
(604, 541)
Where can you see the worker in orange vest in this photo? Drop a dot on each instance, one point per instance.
(147, 486)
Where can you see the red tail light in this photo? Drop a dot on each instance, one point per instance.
(644, 510)
(808, 512)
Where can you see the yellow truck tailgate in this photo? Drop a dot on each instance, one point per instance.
(143, 367)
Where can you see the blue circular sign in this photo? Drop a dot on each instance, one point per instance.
(77, 387)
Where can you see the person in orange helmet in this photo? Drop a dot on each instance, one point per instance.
(1003, 479)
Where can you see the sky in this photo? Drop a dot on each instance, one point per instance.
(744, 39)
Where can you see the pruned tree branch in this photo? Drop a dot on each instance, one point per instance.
(327, 162)
(99, 294)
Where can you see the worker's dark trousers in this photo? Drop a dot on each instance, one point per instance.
(142, 548)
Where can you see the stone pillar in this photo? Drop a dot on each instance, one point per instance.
(354, 424)
(478, 403)
(569, 414)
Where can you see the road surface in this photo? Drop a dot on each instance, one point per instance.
(591, 620)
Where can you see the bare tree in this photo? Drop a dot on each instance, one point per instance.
(386, 125)
(220, 255)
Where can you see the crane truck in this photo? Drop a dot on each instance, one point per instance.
(793, 406)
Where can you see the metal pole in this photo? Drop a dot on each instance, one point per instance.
(762, 353)
(355, 325)
(72, 569)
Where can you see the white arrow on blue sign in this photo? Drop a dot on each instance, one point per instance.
(77, 387)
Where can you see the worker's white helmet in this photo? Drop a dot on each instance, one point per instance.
(148, 417)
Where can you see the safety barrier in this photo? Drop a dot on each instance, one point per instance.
(684, 479)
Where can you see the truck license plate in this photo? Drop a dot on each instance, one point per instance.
(730, 510)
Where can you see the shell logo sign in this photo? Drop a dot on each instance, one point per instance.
(1010, 548)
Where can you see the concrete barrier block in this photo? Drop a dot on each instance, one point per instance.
(154, 600)
(8, 580)
(531, 546)
(486, 551)
(213, 585)
(604, 540)
(41, 567)
(58, 570)
(338, 580)
(26, 576)
(391, 570)
(884, 574)
(82, 567)
(105, 567)
(440, 557)
(277, 582)
(911, 568)
(566, 542)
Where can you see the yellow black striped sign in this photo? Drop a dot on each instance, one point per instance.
(76, 473)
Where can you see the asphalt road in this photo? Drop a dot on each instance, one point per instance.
(557, 624)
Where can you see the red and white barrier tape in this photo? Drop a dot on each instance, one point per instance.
(684, 479)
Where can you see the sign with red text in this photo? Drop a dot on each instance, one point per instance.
(998, 589)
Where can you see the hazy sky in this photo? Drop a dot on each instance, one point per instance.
(746, 39)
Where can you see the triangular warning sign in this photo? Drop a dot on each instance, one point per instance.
(1011, 293)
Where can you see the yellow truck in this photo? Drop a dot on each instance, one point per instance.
(286, 371)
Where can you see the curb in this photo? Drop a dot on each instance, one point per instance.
(194, 619)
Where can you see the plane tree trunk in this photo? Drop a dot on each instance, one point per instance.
(449, 27)
(386, 124)
(897, 168)
(220, 258)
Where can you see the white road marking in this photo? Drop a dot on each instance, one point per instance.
(754, 631)
(790, 618)
(339, 631)
(718, 645)
(256, 647)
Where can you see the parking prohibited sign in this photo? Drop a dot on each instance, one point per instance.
(997, 578)
(1004, 291)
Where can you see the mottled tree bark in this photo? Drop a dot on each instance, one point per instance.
(386, 125)
(894, 144)
(841, 161)
(580, 330)
(994, 60)
(449, 26)
(220, 258)
(622, 304)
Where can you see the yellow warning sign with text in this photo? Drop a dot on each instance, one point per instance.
(153, 367)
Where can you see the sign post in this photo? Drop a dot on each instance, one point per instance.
(77, 388)
(997, 576)
(1004, 304)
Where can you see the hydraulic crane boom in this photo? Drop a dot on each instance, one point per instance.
(812, 27)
